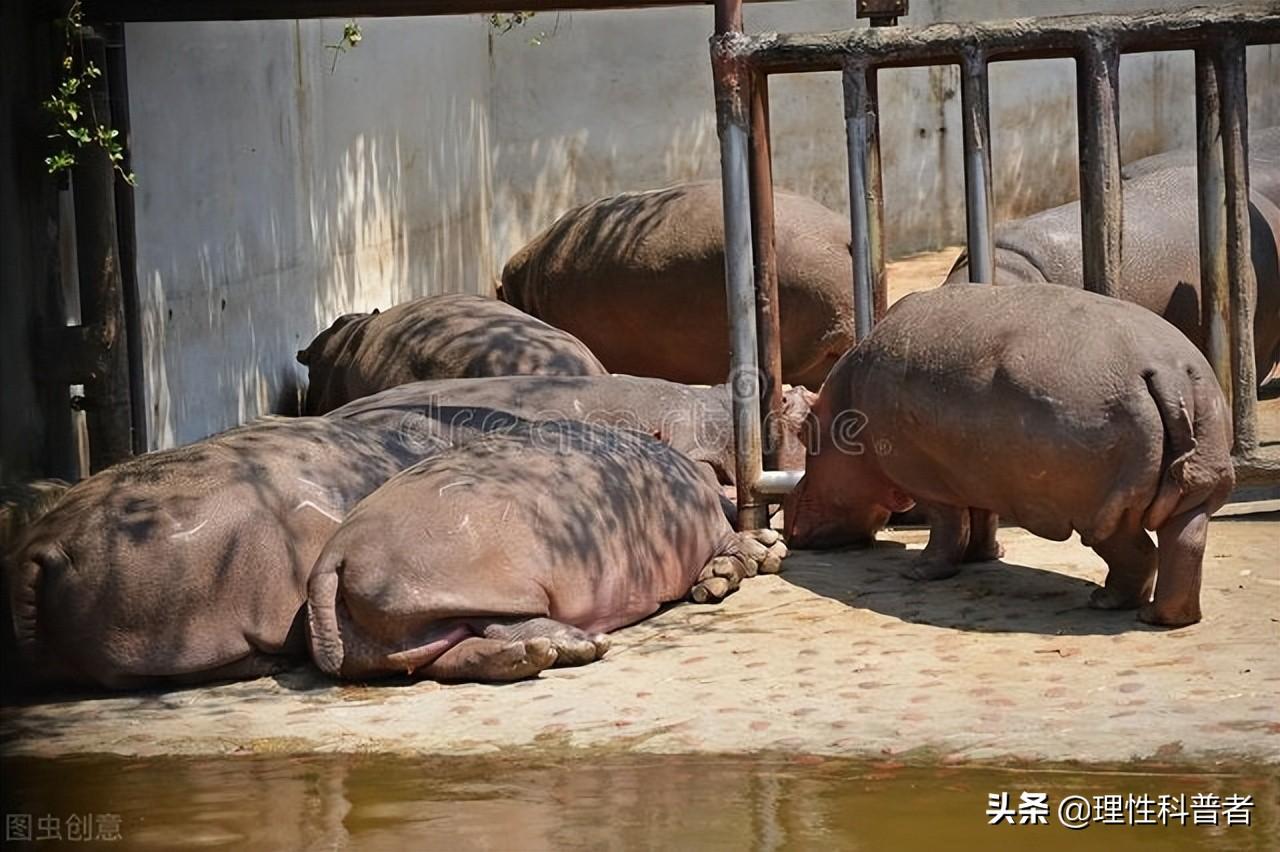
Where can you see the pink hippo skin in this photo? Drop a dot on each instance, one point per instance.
(1056, 409)
(517, 551)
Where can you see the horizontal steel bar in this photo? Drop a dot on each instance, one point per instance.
(268, 10)
(777, 483)
(1019, 38)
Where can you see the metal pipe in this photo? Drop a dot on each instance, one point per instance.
(1215, 292)
(875, 200)
(778, 483)
(1233, 91)
(975, 106)
(730, 78)
(1101, 210)
(764, 251)
(856, 104)
(108, 409)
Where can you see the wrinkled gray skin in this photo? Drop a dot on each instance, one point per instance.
(639, 278)
(436, 337)
(1056, 409)
(1160, 260)
(517, 551)
(696, 421)
(191, 564)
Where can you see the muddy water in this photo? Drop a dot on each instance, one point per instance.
(380, 802)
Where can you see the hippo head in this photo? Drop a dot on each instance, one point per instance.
(797, 418)
(843, 499)
(322, 353)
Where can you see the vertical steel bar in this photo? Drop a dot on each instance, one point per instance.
(764, 251)
(875, 201)
(1233, 91)
(1101, 210)
(732, 119)
(856, 105)
(975, 105)
(1215, 292)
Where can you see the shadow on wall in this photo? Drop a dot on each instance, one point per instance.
(302, 197)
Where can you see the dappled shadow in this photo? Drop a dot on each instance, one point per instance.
(435, 337)
(988, 597)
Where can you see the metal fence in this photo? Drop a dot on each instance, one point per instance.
(741, 66)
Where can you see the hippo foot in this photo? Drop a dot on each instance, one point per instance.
(763, 549)
(493, 660)
(573, 647)
(1153, 614)
(926, 567)
(985, 553)
(720, 576)
(1104, 598)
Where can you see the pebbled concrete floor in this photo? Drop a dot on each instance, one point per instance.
(837, 656)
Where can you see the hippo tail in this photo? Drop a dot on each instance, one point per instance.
(323, 636)
(1192, 474)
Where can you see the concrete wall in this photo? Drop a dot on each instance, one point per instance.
(276, 194)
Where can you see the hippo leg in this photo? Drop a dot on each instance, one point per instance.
(745, 554)
(1177, 601)
(255, 664)
(573, 647)
(1131, 569)
(983, 547)
(494, 660)
(948, 543)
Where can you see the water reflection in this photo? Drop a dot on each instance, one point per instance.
(688, 802)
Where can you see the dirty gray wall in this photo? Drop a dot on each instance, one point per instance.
(276, 194)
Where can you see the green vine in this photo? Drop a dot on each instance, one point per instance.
(351, 36)
(505, 23)
(73, 111)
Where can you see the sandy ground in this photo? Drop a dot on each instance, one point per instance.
(837, 656)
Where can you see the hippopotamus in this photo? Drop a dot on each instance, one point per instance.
(1160, 249)
(695, 420)
(1053, 408)
(191, 564)
(639, 278)
(519, 550)
(452, 336)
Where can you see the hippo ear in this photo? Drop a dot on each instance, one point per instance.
(304, 357)
(374, 312)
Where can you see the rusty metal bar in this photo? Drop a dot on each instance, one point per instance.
(1021, 38)
(1215, 292)
(764, 252)
(857, 104)
(975, 106)
(875, 200)
(108, 412)
(258, 10)
(1233, 92)
(731, 79)
(1101, 210)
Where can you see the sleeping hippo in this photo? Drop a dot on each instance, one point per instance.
(1057, 409)
(1160, 251)
(697, 421)
(639, 278)
(191, 564)
(519, 550)
(436, 337)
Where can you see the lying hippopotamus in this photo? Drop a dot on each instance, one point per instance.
(437, 337)
(191, 564)
(1160, 250)
(697, 421)
(639, 278)
(518, 550)
(1053, 408)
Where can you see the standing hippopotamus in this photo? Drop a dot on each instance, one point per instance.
(518, 550)
(1160, 250)
(639, 278)
(437, 337)
(1054, 408)
(191, 564)
(697, 421)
